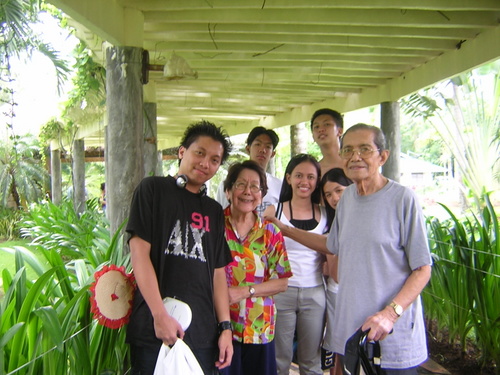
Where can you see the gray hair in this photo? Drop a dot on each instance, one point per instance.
(378, 135)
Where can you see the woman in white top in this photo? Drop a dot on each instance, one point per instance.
(301, 308)
(333, 184)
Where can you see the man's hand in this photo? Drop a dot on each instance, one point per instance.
(167, 329)
(225, 349)
(380, 324)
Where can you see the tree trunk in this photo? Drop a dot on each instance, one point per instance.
(298, 139)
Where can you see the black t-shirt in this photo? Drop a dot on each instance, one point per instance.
(186, 233)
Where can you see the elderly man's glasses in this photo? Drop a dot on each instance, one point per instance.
(364, 152)
(242, 186)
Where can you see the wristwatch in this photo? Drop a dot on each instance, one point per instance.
(251, 289)
(222, 326)
(398, 309)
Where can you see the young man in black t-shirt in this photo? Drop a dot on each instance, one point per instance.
(178, 250)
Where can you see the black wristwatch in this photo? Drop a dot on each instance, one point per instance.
(222, 326)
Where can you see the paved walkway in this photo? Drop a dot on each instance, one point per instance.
(427, 368)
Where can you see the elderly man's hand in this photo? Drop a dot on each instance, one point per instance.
(380, 324)
(275, 221)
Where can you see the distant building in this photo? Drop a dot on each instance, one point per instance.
(417, 173)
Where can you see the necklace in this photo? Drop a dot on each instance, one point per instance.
(241, 238)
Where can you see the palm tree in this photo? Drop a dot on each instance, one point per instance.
(22, 175)
(17, 36)
(465, 111)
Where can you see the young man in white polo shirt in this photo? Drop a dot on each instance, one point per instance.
(261, 148)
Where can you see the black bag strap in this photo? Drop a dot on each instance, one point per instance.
(370, 355)
(279, 210)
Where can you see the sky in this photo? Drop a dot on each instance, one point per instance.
(35, 81)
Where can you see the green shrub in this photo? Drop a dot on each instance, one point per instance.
(9, 223)
(45, 325)
(464, 291)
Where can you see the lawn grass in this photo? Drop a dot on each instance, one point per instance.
(7, 260)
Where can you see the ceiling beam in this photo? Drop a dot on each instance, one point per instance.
(220, 40)
(484, 48)
(463, 5)
(124, 28)
(262, 49)
(382, 18)
(177, 30)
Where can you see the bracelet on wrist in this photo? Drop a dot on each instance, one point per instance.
(222, 326)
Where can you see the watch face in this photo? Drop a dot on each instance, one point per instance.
(252, 291)
(399, 309)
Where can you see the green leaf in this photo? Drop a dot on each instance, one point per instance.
(7, 336)
(51, 325)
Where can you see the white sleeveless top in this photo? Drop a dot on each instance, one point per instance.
(307, 264)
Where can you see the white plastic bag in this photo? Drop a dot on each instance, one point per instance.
(178, 360)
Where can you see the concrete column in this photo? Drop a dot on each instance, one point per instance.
(124, 102)
(150, 139)
(390, 125)
(298, 139)
(271, 167)
(106, 138)
(159, 163)
(55, 175)
(78, 167)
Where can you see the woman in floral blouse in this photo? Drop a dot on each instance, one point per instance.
(260, 269)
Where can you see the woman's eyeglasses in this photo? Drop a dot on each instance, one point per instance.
(242, 186)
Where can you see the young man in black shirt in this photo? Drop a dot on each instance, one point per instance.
(178, 250)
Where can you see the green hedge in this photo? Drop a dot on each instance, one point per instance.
(45, 324)
(464, 291)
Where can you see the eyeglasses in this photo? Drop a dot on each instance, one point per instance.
(242, 186)
(364, 152)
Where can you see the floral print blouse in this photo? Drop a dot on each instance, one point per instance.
(259, 257)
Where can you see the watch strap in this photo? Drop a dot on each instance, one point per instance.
(222, 326)
(398, 309)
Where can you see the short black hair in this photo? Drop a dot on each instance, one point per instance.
(258, 130)
(337, 117)
(235, 170)
(286, 192)
(207, 129)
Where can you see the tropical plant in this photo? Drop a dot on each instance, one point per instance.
(17, 36)
(465, 111)
(22, 175)
(88, 96)
(46, 325)
(86, 100)
(420, 139)
(9, 223)
(464, 291)
(85, 104)
(446, 296)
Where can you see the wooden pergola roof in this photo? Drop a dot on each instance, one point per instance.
(273, 62)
